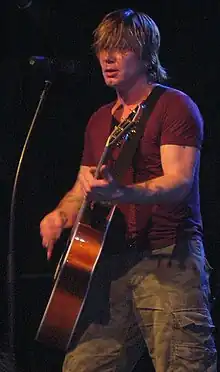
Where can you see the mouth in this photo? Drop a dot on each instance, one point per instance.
(110, 72)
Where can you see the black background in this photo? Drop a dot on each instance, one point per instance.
(189, 51)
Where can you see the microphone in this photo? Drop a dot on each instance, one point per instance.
(24, 4)
(55, 64)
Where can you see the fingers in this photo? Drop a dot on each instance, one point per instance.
(91, 186)
(49, 245)
(50, 249)
(92, 170)
(85, 183)
(86, 178)
(50, 231)
(105, 174)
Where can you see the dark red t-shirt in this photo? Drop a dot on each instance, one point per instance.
(175, 120)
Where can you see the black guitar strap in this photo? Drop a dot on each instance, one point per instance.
(125, 157)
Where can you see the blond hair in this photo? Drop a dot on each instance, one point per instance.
(126, 29)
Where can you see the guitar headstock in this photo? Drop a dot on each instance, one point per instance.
(126, 129)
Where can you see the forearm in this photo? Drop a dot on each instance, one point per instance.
(70, 204)
(168, 188)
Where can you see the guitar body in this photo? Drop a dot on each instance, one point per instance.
(74, 273)
(72, 283)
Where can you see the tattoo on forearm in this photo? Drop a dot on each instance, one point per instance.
(63, 217)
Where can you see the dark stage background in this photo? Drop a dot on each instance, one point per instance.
(189, 51)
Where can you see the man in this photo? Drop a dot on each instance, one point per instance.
(159, 290)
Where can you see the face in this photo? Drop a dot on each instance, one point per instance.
(120, 68)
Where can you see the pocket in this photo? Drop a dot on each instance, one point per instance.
(193, 342)
(189, 352)
(194, 358)
(194, 321)
(194, 327)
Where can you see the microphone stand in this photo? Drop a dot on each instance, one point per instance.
(11, 271)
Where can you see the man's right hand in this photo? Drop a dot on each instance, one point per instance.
(51, 228)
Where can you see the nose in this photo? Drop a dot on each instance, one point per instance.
(109, 57)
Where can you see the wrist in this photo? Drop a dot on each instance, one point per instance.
(63, 216)
(135, 194)
(125, 194)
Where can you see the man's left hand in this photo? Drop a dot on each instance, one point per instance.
(104, 189)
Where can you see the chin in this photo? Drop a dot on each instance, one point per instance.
(113, 83)
(110, 82)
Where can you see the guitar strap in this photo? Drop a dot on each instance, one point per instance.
(125, 157)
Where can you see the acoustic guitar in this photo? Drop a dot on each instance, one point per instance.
(75, 270)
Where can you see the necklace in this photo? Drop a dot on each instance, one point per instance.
(121, 111)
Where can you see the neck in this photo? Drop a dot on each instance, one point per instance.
(133, 93)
